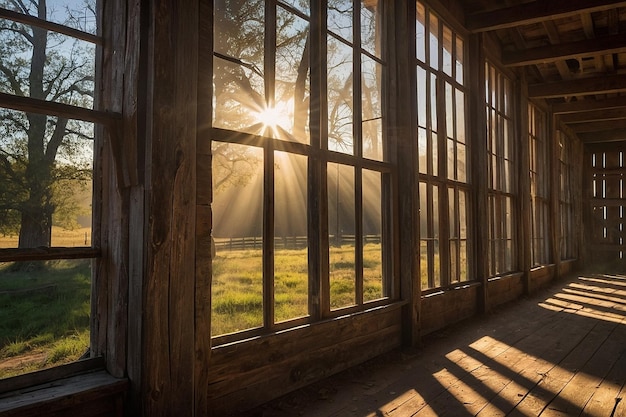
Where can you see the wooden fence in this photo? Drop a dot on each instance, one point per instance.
(286, 242)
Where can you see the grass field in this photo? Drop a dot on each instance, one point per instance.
(237, 291)
(45, 308)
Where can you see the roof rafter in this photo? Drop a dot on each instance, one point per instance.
(552, 53)
(537, 11)
(578, 87)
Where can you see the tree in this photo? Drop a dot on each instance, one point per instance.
(40, 153)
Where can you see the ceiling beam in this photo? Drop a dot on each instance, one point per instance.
(601, 126)
(535, 12)
(578, 87)
(616, 135)
(594, 115)
(554, 53)
(588, 105)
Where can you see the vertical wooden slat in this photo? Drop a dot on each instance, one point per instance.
(204, 219)
(169, 289)
(480, 176)
(524, 203)
(555, 192)
(402, 133)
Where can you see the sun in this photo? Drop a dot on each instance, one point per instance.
(273, 117)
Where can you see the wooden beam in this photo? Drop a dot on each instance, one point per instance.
(535, 12)
(588, 105)
(553, 53)
(594, 116)
(603, 125)
(578, 87)
(51, 108)
(616, 135)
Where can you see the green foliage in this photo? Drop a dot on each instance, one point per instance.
(44, 311)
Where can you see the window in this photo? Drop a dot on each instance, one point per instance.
(539, 186)
(47, 131)
(301, 177)
(442, 152)
(501, 190)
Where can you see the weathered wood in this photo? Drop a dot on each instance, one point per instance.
(593, 116)
(534, 12)
(478, 129)
(589, 105)
(247, 373)
(580, 87)
(563, 51)
(45, 253)
(617, 135)
(67, 396)
(168, 341)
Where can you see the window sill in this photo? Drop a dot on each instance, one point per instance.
(94, 393)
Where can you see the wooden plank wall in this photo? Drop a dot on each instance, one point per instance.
(248, 373)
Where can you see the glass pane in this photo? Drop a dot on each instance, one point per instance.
(433, 102)
(302, 5)
(63, 67)
(449, 111)
(239, 31)
(420, 32)
(238, 98)
(460, 115)
(372, 236)
(452, 214)
(454, 261)
(44, 315)
(422, 97)
(423, 150)
(371, 26)
(424, 265)
(340, 104)
(451, 159)
(434, 153)
(237, 288)
(463, 215)
(289, 117)
(340, 14)
(290, 237)
(434, 41)
(447, 50)
(45, 201)
(461, 162)
(341, 229)
(459, 60)
(463, 264)
(371, 73)
(75, 14)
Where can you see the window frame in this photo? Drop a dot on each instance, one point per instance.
(101, 120)
(443, 237)
(319, 156)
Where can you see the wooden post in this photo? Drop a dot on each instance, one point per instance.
(478, 138)
(168, 337)
(403, 141)
(524, 205)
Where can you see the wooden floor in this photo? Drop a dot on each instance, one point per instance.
(560, 353)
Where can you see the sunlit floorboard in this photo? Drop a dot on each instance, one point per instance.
(560, 353)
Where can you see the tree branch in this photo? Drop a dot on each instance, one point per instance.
(56, 140)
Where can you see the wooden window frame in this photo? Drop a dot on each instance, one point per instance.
(435, 177)
(318, 157)
(102, 120)
(502, 186)
(540, 186)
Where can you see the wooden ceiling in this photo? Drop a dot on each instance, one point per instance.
(573, 53)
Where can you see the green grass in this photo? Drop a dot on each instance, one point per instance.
(44, 314)
(237, 291)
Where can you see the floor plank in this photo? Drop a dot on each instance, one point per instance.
(561, 352)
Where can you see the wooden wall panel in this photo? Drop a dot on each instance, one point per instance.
(505, 289)
(448, 307)
(245, 374)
